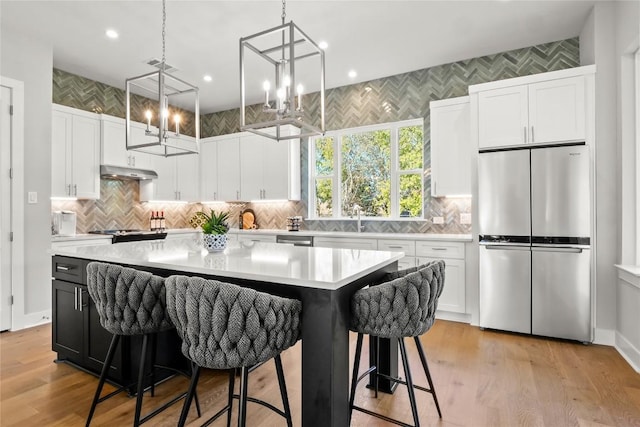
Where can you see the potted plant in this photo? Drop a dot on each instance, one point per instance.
(215, 230)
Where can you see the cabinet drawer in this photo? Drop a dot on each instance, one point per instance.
(70, 269)
(345, 243)
(406, 246)
(257, 238)
(440, 249)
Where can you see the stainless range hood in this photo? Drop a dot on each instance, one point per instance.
(121, 172)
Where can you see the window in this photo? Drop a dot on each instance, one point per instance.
(378, 168)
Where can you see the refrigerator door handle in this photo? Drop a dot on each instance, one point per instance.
(506, 247)
(574, 249)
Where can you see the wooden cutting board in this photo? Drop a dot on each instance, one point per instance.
(248, 220)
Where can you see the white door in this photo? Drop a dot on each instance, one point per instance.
(86, 157)
(228, 169)
(187, 175)
(5, 209)
(252, 149)
(208, 171)
(276, 170)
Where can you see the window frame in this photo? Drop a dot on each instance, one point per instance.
(395, 172)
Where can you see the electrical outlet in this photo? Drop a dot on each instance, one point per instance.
(32, 197)
(465, 218)
(438, 220)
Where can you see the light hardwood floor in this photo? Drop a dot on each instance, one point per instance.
(483, 378)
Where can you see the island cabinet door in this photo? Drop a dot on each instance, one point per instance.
(97, 340)
(67, 325)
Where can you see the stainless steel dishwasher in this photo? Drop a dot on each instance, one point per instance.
(295, 240)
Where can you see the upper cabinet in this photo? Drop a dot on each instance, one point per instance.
(245, 166)
(269, 169)
(450, 147)
(548, 108)
(75, 153)
(114, 148)
(220, 168)
(178, 179)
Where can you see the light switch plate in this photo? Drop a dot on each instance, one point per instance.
(465, 218)
(32, 197)
(438, 220)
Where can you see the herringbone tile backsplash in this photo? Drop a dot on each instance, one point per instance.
(408, 96)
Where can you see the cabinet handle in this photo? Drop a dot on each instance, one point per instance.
(179, 195)
(75, 298)
(80, 299)
(532, 137)
(68, 189)
(394, 247)
(215, 195)
(75, 189)
(237, 195)
(439, 249)
(62, 268)
(133, 159)
(128, 160)
(525, 134)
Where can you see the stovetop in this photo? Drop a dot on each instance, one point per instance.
(131, 235)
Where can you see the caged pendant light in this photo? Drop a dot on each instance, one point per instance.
(288, 55)
(168, 99)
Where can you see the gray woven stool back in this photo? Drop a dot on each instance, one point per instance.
(129, 302)
(402, 307)
(225, 326)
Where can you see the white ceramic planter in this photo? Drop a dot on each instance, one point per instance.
(214, 242)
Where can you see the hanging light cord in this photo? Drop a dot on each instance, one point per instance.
(164, 24)
(284, 10)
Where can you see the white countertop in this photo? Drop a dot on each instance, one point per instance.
(363, 235)
(323, 268)
(79, 237)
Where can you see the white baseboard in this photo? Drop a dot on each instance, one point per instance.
(628, 351)
(454, 317)
(605, 337)
(30, 320)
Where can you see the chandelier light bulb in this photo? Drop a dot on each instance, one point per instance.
(266, 85)
(176, 119)
(148, 115)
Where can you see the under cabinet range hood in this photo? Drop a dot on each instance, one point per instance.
(121, 172)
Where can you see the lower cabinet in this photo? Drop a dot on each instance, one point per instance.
(79, 338)
(345, 243)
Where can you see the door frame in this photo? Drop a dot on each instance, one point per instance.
(17, 201)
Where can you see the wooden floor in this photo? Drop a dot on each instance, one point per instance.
(483, 378)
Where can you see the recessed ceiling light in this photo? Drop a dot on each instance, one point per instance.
(323, 45)
(112, 34)
(353, 74)
(207, 78)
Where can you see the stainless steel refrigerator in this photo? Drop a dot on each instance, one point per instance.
(535, 241)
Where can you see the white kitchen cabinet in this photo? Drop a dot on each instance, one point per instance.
(75, 153)
(453, 297)
(450, 147)
(397, 245)
(544, 112)
(345, 243)
(114, 146)
(178, 179)
(271, 238)
(269, 170)
(220, 168)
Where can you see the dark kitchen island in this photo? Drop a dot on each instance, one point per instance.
(322, 278)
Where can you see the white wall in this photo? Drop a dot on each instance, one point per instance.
(23, 59)
(597, 43)
(627, 336)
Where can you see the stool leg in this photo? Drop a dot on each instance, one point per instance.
(154, 347)
(376, 378)
(195, 376)
(103, 375)
(423, 359)
(407, 373)
(283, 391)
(354, 376)
(141, 375)
(195, 394)
(232, 385)
(244, 380)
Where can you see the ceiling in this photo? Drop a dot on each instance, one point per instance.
(374, 38)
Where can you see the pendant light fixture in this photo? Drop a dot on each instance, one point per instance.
(285, 57)
(165, 104)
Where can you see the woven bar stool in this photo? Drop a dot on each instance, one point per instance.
(130, 302)
(225, 326)
(403, 306)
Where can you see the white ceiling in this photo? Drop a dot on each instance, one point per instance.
(375, 38)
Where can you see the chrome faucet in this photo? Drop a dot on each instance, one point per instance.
(357, 209)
